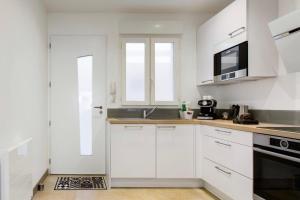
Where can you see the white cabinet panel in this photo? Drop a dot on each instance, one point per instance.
(232, 155)
(240, 137)
(205, 47)
(133, 151)
(230, 183)
(175, 151)
(199, 149)
(232, 21)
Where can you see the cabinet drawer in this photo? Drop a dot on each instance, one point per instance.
(230, 183)
(175, 151)
(241, 137)
(234, 156)
(133, 151)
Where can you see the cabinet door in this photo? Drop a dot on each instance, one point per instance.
(232, 184)
(175, 151)
(133, 151)
(232, 20)
(205, 56)
(232, 26)
(234, 156)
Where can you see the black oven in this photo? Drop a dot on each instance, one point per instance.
(276, 168)
(231, 63)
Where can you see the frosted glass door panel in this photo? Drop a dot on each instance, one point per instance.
(85, 99)
(135, 72)
(164, 72)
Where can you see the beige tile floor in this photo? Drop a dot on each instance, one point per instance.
(121, 194)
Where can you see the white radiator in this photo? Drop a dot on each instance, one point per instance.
(16, 171)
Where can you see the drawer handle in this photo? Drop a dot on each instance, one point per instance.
(133, 127)
(206, 81)
(221, 131)
(166, 127)
(218, 142)
(221, 170)
(237, 32)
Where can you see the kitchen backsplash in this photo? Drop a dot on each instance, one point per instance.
(267, 116)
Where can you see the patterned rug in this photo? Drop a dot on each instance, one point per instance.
(81, 183)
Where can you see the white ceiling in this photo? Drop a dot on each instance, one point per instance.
(136, 6)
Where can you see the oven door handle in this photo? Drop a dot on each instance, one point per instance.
(276, 154)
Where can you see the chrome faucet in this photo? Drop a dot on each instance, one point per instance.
(146, 114)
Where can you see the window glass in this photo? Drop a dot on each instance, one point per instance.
(135, 72)
(164, 71)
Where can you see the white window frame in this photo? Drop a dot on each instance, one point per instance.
(176, 55)
(150, 69)
(146, 41)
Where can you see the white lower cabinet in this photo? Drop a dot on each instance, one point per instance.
(175, 151)
(133, 151)
(232, 155)
(221, 157)
(228, 161)
(232, 184)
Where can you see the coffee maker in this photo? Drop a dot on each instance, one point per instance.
(207, 108)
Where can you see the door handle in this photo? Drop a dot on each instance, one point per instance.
(100, 109)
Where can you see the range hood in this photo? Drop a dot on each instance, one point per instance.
(286, 33)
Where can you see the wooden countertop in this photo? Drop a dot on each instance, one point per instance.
(217, 123)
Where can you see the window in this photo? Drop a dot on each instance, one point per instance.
(149, 71)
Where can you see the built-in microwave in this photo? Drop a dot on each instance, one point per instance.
(231, 63)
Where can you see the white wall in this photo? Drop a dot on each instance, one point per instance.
(280, 93)
(23, 77)
(108, 24)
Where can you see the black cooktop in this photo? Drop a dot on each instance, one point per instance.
(289, 129)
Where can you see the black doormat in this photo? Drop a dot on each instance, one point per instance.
(81, 183)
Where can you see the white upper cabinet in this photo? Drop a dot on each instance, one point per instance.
(242, 20)
(206, 37)
(232, 26)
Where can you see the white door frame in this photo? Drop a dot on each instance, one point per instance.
(50, 78)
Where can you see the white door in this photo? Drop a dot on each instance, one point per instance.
(77, 104)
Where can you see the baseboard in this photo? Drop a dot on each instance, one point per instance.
(157, 183)
(216, 192)
(42, 179)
